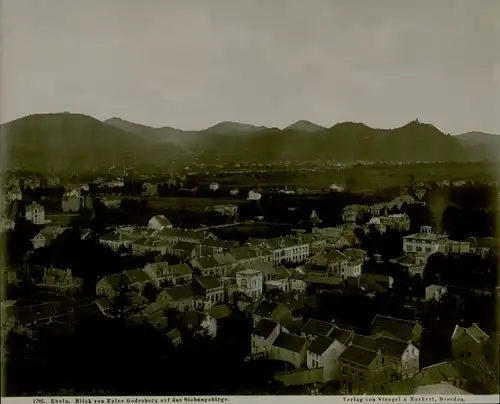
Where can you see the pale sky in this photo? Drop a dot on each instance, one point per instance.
(190, 64)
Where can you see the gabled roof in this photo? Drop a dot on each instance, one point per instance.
(264, 328)
(335, 256)
(317, 327)
(474, 331)
(358, 356)
(280, 273)
(184, 246)
(290, 342)
(180, 270)
(195, 318)
(340, 335)
(320, 345)
(387, 346)
(324, 280)
(241, 253)
(208, 282)
(137, 276)
(397, 327)
(224, 259)
(437, 373)
(207, 262)
(219, 312)
(181, 292)
(266, 308)
(116, 280)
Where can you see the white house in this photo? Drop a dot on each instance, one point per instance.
(284, 249)
(402, 356)
(289, 348)
(324, 353)
(159, 222)
(457, 247)
(46, 235)
(249, 282)
(426, 241)
(35, 213)
(214, 186)
(263, 336)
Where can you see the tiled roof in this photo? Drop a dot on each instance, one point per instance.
(220, 311)
(137, 276)
(437, 373)
(323, 280)
(181, 292)
(264, 267)
(208, 282)
(335, 256)
(320, 345)
(184, 246)
(290, 342)
(358, 356)
(116, 280)
(180, 270)
(223, 259)
(264, 328)
(241, 253)
(399, 328)
(266, 308)
(388, 346)
(280, 273)
(317, 327)
(195, 318)
(474, 331)
(207, 262)
(340, 334)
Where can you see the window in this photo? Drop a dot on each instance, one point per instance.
(361, 377)
(344, 371)
(382, 360)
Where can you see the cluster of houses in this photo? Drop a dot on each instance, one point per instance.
(420, 246)
(385, 362)
(215, 275)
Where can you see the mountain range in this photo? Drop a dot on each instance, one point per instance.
(66, 141)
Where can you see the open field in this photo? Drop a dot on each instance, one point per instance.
(362, 178)
(190, 203)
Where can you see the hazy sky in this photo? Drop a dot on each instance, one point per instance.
(190, 64)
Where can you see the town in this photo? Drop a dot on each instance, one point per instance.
(119, 286)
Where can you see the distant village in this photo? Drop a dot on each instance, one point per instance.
(203, 279)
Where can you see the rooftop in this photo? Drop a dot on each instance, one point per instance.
(320, 345)
(340, 334)
(180, 270)
(397, 327)
(264, 328)
(266, 308)
(219, 312)
(181, 292)
(208, 282)
(290, 342)
(358, 356)
(317, 327)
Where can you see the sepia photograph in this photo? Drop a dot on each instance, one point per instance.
(229, 198)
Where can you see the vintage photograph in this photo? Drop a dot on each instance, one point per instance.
(233, 198)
